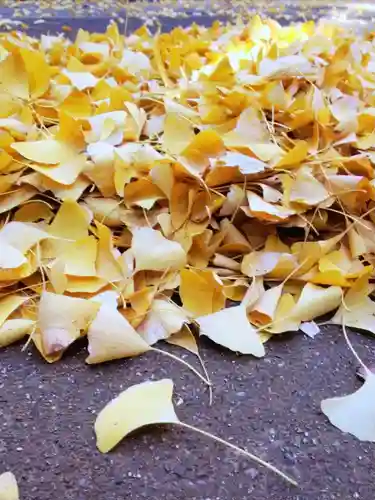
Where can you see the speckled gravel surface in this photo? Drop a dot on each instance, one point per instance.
(270, 406)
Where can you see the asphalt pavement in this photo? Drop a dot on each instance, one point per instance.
(269, 406)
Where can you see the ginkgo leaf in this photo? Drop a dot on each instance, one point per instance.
(246, 164)
(65, 174)
(293, 65)
(185, 339)
(264, 310)
(9, 304)
(283, 319)
(178, 133)
(307, 189)
(154, 252)
(81, 80)
(61, 319)
(315, 301)
(38, 70)
(107, 265)
(111, 336)
(243, 338)
(8, 487)
(201, 291)
(135, 62)
(10, 257)
(357, 309)
(14, 330)
(163, 319)
(47, 151)
(354, 413)
(57, 276)
(14, 78)
(21, 236)
(150, 403)
(266, 211)
(143, 404)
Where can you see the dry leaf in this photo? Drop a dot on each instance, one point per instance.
(231, 328)
(315, 301)
(111, 336)
(61, 319)
(143, 404)
(354, 413)
(8, 487)
(357, 309)
(14, 330)
(201, 292)
(163, 319)
(154, 252)
(150, 403)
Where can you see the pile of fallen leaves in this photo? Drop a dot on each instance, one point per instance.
(208, 181)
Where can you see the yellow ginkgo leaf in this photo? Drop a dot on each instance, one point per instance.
(79, 257)
(85, 285)
(21, 236)
(111, 336)
(14, 78)
(81, 80)
(14, 330)
(243, 338)
(38, 70)
(315, 301)
(154, 252)
(142, 404)
(34, 211)
(61, 319)
(307, 190)
(354, 413)
(107, 265)
(163, 319)
(264, 310)
(284, 320)
(294, 156)
(201, 292)
(178, 133)
(266, 211)
(246, 164)
(9, 304)
(57, 277)
(16, 198)
(71, 221)
(46, 151)
(10, 257)
(8, 487)
(185, 339)
(357, 309)
(150, 403)
(65, 174)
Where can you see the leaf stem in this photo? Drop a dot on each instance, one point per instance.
(207, 377)
(188, 365)
(239, 450)
(354, 352)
